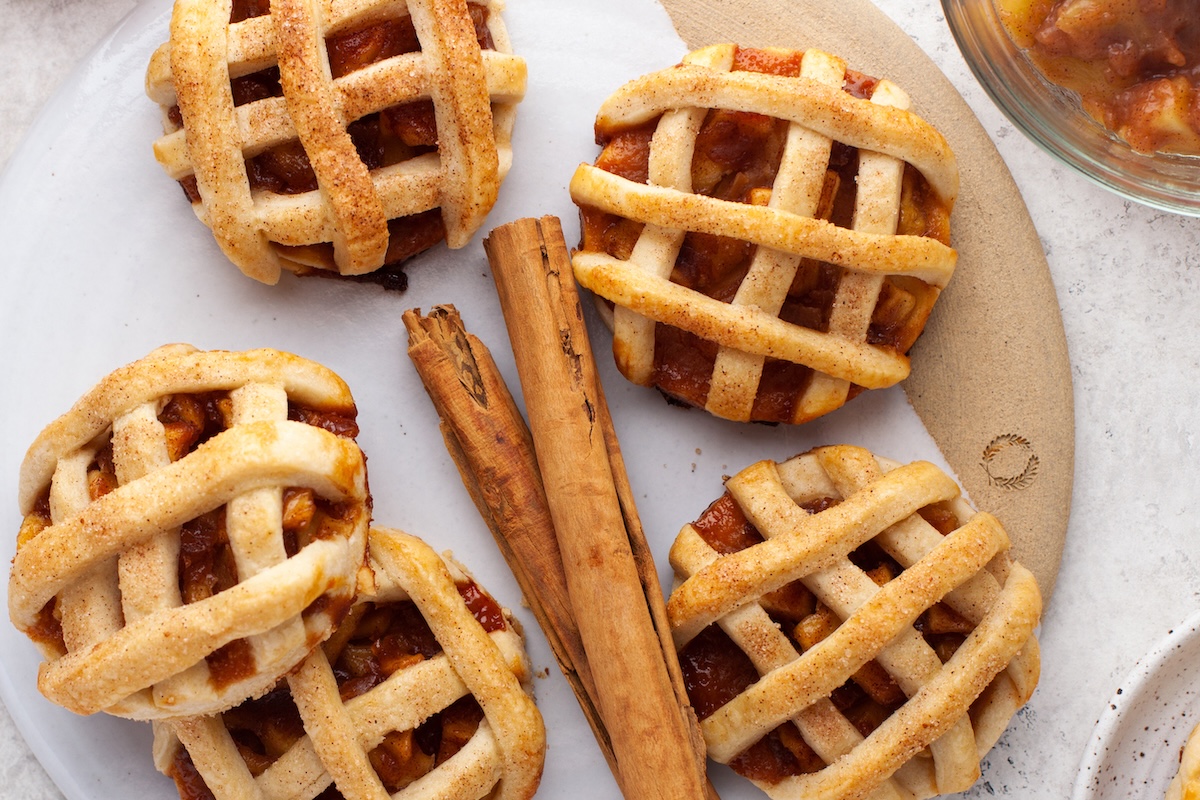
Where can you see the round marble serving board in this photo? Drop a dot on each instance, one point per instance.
(990, 379)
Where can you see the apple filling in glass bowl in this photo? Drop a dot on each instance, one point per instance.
(1134, 65)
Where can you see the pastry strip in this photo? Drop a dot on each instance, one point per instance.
(876, 210)
(747, 329)
(157, 376)
(466, 142)
(916, 256)
(262, 453)
(657, 247)
(198, 60)
(797, 189)
(360, 235)
(819, 106)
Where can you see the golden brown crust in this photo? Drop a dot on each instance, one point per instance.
(751, 346)
(473, 92)
(503, 757)
(113, 497)
(167, 371)
(360, 233)
(954, 705)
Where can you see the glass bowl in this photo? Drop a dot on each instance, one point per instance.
(1053, 117)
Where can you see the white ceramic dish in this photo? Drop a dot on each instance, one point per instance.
(1134, 749)
(104, 261)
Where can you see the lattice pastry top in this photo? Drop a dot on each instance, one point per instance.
(772, 229)
(421, 693)
(343, 135)
(849, 627)
(194, 526)
(1185, 785)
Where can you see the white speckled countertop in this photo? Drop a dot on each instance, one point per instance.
(1127, 279)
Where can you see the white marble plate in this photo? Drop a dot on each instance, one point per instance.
(1134, 749)
(104, 261)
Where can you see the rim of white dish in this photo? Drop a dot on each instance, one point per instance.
(1131, 691)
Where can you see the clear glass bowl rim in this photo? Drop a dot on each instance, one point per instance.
(1053, 118)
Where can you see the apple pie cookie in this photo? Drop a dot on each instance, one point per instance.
(193, 528)
(850, 627)
(424, 690)
(769, 228)
(341, 137)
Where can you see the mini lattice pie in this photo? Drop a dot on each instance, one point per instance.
(849, 627)
(422, 690)
(771, 228)
(1186, 783)
(194, 527)
(340, 137)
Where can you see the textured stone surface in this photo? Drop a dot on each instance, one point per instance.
(43, 42)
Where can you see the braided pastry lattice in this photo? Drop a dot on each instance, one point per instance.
(843, 540)
(837, 264)
(168, 566)
(502, 758)
(474, 93)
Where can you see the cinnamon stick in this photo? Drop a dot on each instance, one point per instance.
(491, 446)
(610, 577)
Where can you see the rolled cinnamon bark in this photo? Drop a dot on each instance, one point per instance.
(492, 448)
(610, 577)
